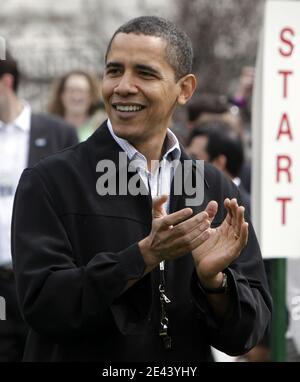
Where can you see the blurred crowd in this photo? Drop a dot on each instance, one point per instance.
(217, 129)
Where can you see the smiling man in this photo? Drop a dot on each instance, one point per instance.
(141, 90)
(130, 277)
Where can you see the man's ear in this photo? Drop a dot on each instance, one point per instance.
(187, 85)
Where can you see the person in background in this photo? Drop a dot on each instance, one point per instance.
(242, 94)
(241, 97)
(209, 107)
(293, 305)
(218, 143)
(25, 137)
(76, 98)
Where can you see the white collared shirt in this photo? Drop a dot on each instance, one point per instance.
(14, 148)
(160, 180)
(236, 181)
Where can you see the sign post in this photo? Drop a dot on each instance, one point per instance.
(279, 321)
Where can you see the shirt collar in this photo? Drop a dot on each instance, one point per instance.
(23, 119)
(236, 181)
(173, 150)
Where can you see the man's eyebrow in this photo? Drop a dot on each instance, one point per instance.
(149, 69)
(113, 64)
(146, 68)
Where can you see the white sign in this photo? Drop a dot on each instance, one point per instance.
(276, 135)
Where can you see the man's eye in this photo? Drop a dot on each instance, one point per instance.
(147, 74)
(113, 71)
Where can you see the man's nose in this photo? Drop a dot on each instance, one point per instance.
(126, 85)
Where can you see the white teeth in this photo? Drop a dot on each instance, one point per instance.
(128, 108)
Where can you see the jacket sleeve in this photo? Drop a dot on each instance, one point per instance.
(250, 312)
(57, 297)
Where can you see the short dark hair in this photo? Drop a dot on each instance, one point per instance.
(207, 103)
(179, 51)
(222, 140)
(10, 66)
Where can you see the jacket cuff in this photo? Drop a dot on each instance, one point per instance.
(132, 264)
(203, 306)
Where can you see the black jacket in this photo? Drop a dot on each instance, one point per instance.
(48, 134)
(74, 251)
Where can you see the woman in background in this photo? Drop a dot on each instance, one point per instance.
(76, 98)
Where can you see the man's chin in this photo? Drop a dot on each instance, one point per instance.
(125, 131)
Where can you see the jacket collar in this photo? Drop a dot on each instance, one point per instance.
(101, 145)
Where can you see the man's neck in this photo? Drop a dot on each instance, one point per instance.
(12, 111)
(152, 150)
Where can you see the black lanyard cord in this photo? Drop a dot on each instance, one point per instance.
(164, 300)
